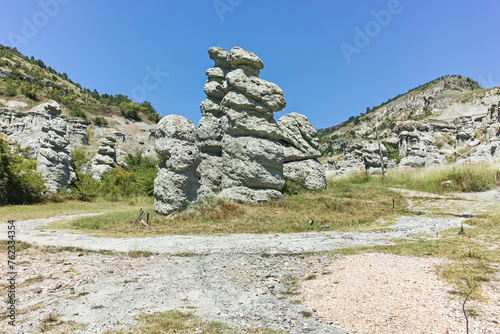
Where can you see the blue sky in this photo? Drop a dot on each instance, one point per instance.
(332, 58)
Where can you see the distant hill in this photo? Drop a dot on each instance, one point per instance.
(424, 102)
(29, 80)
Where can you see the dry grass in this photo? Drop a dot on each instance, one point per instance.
(23, 212)
(343, 206)
(185, 323)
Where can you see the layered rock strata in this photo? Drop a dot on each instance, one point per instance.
(176, 184)
(252, 158)
(300, 147)
(105, 159)
(53, 158)
(213, 123)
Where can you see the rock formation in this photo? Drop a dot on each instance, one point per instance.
(252, 158)
(176, 184)
(25, 126)
(300, 147)
(53, 159)
(104, 160)
(213, 123)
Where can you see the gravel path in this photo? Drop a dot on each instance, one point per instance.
(29, 231)
(243, 280)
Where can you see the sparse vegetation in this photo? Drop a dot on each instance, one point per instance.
(185, 323)
(465, 178)
(19, 182)
(100, 121)
(471, 253)
(32, 79)
(343, 206)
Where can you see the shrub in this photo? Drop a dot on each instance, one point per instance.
(29, 90)
(11, 89)
(19, 182)
(292, 187)
(77, 113)
(100, 121)
(87, 188)
(78, 158)
(118, 183)
(392, 153)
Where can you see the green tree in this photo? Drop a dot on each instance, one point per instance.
(11, 89)
(19, 182)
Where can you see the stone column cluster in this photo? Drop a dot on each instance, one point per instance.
(238, 152)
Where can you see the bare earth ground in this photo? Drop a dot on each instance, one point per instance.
(245, 281)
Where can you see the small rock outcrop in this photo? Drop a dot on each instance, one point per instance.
(104, 160)
(213, 123)
(25, 126)
(53, 158)
(252, 158)
(300, 147)
(176, 184)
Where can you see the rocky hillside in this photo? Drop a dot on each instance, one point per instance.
(450, 119)
(31, 91)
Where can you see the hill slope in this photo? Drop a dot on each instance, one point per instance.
(30, 81)
(421, 103)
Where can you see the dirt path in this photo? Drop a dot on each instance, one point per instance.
(242, 280)
(29, 231)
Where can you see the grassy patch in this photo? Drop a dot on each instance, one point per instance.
(37, 279)
(466, 178)
(343, 206)
(183, 323)
(23, 212)
(140, 253)
(291, 285)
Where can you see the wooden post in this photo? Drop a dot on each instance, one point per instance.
(139, 217)
(381, 156)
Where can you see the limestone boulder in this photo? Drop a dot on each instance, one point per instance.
(300, 138)
(239, 56)
(104, 160)
(249, 195)
(267, 93)
(51, 107)
(252, 162)
(310, 173)
(220, 57)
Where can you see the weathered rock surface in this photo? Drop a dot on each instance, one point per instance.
(213, 123)
(53, 158)
(252, 158)
(25, 126)
(252, 162)
(310, 173)
(50, 107)
(176, 184)
(105, 159)
(300, 146)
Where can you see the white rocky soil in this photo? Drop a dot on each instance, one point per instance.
(244, 280)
